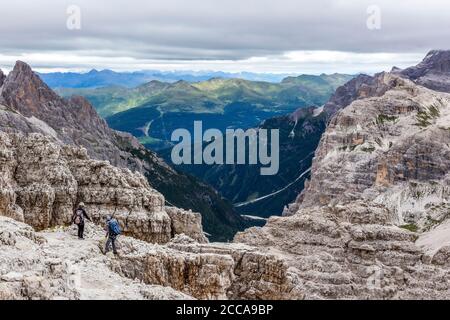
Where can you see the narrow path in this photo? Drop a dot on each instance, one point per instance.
(242, 204)
(91, 274)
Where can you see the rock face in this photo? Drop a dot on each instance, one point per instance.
(42, 183)
(382, 163)
(433, 72)
(346, 94)
(336, 257)
(218, 271)
(391, 150)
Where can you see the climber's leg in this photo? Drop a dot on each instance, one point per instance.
(80, 231)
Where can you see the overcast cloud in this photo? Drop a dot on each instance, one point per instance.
(235, 35)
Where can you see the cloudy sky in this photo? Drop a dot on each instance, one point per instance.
(282, 36)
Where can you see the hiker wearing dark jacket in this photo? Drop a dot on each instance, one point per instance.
(78, 218)
(112, 231)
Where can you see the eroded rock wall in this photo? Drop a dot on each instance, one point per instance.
(208, 271)
(382, 167)
(335, 259)
(42, 183)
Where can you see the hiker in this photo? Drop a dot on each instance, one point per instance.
(112, 231)
(78, 219)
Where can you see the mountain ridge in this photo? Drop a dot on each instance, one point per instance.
(106, 77)
(152, 111)
(216, 87)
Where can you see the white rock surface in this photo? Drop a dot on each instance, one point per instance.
(383, 162)
(56, 265)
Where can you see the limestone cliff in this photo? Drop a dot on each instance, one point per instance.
(382, 167)
(42, 183)
(391, 150)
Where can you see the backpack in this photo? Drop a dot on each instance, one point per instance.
(79, 217)
(114, 227)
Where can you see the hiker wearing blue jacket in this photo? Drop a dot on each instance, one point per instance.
(112, 231)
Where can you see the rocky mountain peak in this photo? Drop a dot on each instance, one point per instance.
(439, 60)
(22, 68)
(433, 72)
(26, 92)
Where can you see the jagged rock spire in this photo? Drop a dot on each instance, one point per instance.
(22, 71)
(24, 91)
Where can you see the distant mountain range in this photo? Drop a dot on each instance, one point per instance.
(105, 78)
(152, 111)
